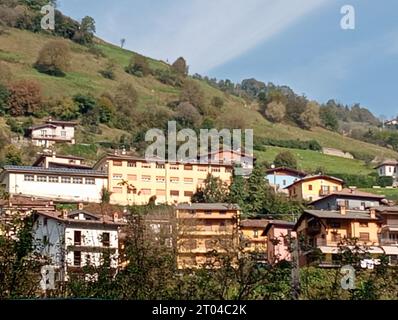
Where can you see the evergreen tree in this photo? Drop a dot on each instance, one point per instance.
(214, 191)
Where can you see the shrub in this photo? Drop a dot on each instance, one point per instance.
(54, 58)
(275, 112)
(168, 77)
(187, 115)
(4, 96)
(192, 93)
(285, 159)
(385, 181)
(138, 66)
(180, 66)
(126, 99)
(25, 98)
(217, 102)
(310, 117)
(65, 109)
(5, 73)
(85, 103)
(291, 144)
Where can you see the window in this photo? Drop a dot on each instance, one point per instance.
(29, 177)
(106, 239)
(45, 240)
(90, 181)
(77, 258)
(66, 179)
(117, 163)
(336, 237)
(223, 226)
(188, 180)
(77, 238)
(215, 170)
(146, 192)
(284, 182)
(117, 176)
(146, 165)
(174, 180)
(364, 236)
(160, 179)
(255, 234)
(146, 178)
(188, 193)
(310, 187)
(41, 178)
(363, 205)
(132, 177)
(202, 169)
(335, 225)
(117, 190)
(63, 133)
(132, 164)
(363, 224)
(43, 133)
(45, 221)
(335, 188)
(190, 244)
(175, 193)
(77, 180)
(210, 244)
(161, 192)
(53, 179)
(207, 212)
(188, 167)
(228, 170)
(160, 166)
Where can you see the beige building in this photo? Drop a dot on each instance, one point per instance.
(51, 132)
(135, 180)
(203, 229)
(252, 238)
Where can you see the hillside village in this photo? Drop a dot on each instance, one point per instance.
(83, 213)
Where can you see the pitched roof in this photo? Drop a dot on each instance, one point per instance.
(40, 126)
(24, 201)
(208, 206)
(62, 123)
(387, 163)
(43, 156)
(59, 171)
(316, 177)
(254, 223)
(386, 209)
(351, 193)
(278, 223)
(286, 169)
(333, 214)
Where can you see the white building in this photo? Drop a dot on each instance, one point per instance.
(388, 168)
(72, 240)
(58, 184)
(58, 161)
(51, 132)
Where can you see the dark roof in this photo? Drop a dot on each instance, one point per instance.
(60, 171)
(43, 156)
(386, 209)
(316, 177)
(351, 193)
(69, 165)
(24, 201)
(282, 169)
(45, 125)
(254, 223)
(278, 223)
(208, 206)
(387, 163)
(62, 123)
(350, 214)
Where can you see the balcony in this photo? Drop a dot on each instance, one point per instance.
(323, 193)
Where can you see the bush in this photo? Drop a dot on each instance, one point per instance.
(126, 99)
(217, 102)
(359, 181)
(385, 181)
(54, 58)
(362, 156)
(187, 115)
(65, 109)
(275, 112)
(192, 93)
(85, 103)
(168, 77)
(25, 98)
(138, 66)
(286, 159)
(291, 144)
(4, 96)
(5, 73)
(180, 67)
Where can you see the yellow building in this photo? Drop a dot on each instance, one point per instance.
(325, 230)
(312, 188)
(251, 237)
(133, 180)
(203, 229)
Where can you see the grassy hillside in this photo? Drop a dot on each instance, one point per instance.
(19, 49)
(391, 194)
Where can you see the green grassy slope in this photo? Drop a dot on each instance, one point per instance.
(19, 49)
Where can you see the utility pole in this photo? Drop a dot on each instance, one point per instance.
(295, 280)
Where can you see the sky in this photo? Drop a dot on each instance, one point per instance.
(299, 43)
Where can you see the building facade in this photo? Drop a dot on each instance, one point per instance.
(52, 132)
(388, 168)
(58, 184)
(279, 233)
(134, 180)
(72, 240)
(280, 178)
(52, 160)
(350, 198)
(203, 229)
(312, 188)
(252, 238)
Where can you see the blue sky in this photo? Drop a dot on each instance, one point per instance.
(298, 43)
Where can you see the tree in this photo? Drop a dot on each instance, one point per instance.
(192, 93)
(54, 58)
(329, 119)
(85, 34)
(106, 109)
(4, 96)
(213, 191)
(258, 191)
(310, 117)
(275, 111)
(238, 193)
(85, 103)
(122, 43)
(65, 109)
(126, 99)
(180, 66)
(138, 66)
(25, 98)
(5, 73)
(12, 156)
(285, 159)
(187, 115)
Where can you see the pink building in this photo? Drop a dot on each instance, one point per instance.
(278, 233)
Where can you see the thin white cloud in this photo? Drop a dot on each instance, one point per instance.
(209, 33)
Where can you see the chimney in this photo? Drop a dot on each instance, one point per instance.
(64, 214)
(343, 209)
(124, 151)
(372, 213)
(80, 206)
